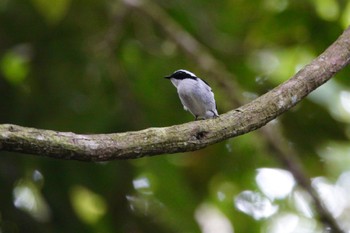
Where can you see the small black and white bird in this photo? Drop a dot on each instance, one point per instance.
(195, 94)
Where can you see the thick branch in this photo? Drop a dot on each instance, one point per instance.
(233, 93)
(186, 137)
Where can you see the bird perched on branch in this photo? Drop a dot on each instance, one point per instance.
(195, 94)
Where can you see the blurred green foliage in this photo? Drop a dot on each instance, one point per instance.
(97, 67)
(15, 67)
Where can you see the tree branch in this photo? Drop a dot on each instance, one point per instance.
(271, 135)
(186, 137)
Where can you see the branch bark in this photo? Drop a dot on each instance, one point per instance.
(186, 137)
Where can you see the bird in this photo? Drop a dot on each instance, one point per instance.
(195, 94)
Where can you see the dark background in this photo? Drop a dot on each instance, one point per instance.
(97, 67)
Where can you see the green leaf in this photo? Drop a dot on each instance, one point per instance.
(53, 11)
(15, 67)
(345, 19)
(89, 206)
(327, 9)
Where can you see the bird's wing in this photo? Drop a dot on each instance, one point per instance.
(205, 84)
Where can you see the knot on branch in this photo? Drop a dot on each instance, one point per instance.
(201, 134)
(11, 128)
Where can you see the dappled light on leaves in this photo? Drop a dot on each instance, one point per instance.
(89, 206)
(142, 185)
(14, 64)
(211, 220)
(276, 5)
(345, 19)
(336, 156)
(28, 198)
(38, 177)
(264, 62)
(222, 189)
(143, 200)
(275, 183)
(327, 9)
(144, 205)
(345, 101)
(299, 216)
(292, 223)
(52, 11)
(335, 191)
(228, 147)
(333, 196)
(277, 64)
(255, 204)
(336, 97)
(301, 200)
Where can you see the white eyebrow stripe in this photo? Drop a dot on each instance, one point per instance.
(188, 72)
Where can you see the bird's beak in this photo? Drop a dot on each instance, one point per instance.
(168, 77)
